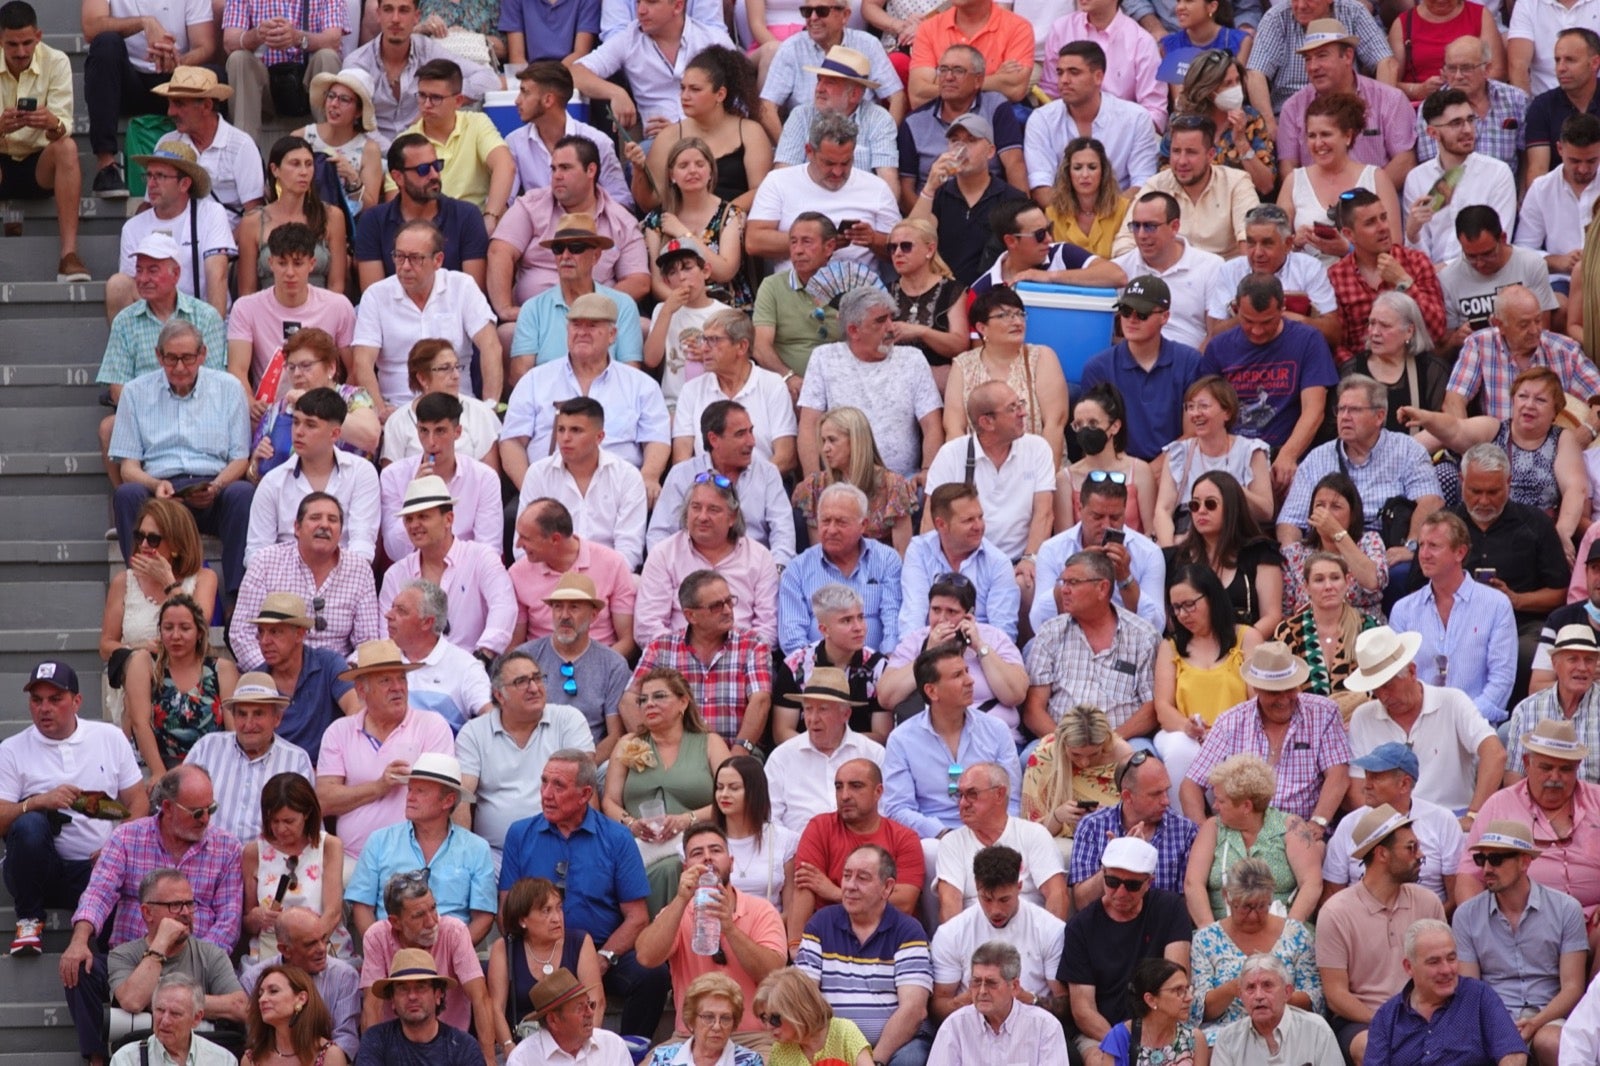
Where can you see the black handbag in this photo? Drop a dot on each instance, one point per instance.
(287, 81)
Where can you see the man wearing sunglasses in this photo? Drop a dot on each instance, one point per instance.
(1526, 941)
(413, 165)
(1030, 255)
(1152, 248)
(1389, 776)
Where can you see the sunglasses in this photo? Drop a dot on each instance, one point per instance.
(1144, 227)
(569, 679)
(318, 622)
(772, 1021)
(422, 170)
(1137, 316)
(198, 813)
(1480, 859)
(1139, 758)
(821, 315)
(152, 539)
(1116, 477)
(903, 247)
(561, 877)
(1042, 234)
(1131, 884)
(291, 864)
(569, 247)
(818, 11)
(1210, 503)
(711, 477)
(954, 773)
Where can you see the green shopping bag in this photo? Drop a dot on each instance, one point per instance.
(144, 133)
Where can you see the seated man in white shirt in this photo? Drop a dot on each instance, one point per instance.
(1268, 249)
(421, 300)
(800, 770)
(449, 681)
(1161, 251)
(175, 181)
(1480, 179)
(317, 465)
(1389, 775)
(230, 156)
(474, 485)
(982, 793)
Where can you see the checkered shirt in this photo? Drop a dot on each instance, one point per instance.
(1485, 367)
(1316, 741)
(134, 849)
(1355, 298)
(722, 689)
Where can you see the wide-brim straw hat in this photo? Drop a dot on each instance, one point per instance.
(827, 683)
(179, 155)
(358, 82)
(410, 964)
(377, 656)
(1272, 667)
(1381, 653)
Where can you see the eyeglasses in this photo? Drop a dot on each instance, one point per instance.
(431, 99)
(410, 258)
(569, 680)
(152, 539)
(526, 681)
(1209, 503)
(1461, 68)
(569, 247)
(772, 1021)
(711, 477)
(301, 366)
(954, 773)
(338, 98)
(1137, 316)
(1008, 314)
(1137, 759)
(319, 623)
(1130, 884)
(1144, 227)
(964, 794)
(713, 339)
(1185, 606)
(197, 813)
(715, 1021)
(1480, 859)
(1042, 234)
(445, 368)
(1116, 477)
(1454, 124)
(903, 247)
(727, 603)
(947, 71)
(175, 906)
(422, 170)
(821, 314)
(184, 359)
(1074, 582)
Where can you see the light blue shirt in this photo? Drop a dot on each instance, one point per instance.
(1146, 565)
(1396, 466)
(876, 579)
(461, 873)
(999, 599)
(768, 514)
(1478, 649)
(636, 414)
(170, 434)
(542, 328)
(789, 83)
(917, 771)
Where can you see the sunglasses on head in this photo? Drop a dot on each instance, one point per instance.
(1138, 758)
(711, 477)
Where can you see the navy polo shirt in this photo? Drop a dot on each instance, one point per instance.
(1546, 113)
(1154, 399)
(315, 705)
(1472, 1029)
(462, 225)
(967, 244)
(923, 134)
(598, 866)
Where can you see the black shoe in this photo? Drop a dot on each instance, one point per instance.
(108, 184)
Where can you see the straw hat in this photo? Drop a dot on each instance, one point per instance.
(1373, 827)
(282, 608)
(256, 687)
(376, 656)
(1506, 834)
(410, 964)
(828, 684)
(426, 493)
(575, 588)
(1272, 667)
(193, 83)
(1557, 739)
(1381, 653)
(551, 992)
(1323, 32)
(1579, 636)
(846, 63)
(179, 155)
(441, 769)
(578, 228)
(358, 82)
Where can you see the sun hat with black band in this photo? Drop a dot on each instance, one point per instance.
(846, 63)
(410, 964)
(1380, 655)
(282, 608)
(553, 991)
(828, 684)
(426, 493)
(441, 769)
(1579, 636)
(1323, 32)
(1506, 834)
(1373, 827)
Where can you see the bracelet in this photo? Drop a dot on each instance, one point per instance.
(925, 194)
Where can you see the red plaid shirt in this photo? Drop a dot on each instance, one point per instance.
(1355, 298)
(721, 688)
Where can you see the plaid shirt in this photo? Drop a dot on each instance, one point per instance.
(134, 849)
(1502, 132)
(1355, 298)
(1546, 705)
(1119, 680)
(1316, 741)
(349, 600)
(1280, 34)
(1484, 366)
(323, 15)
(131, 348)
(1172, 840)
(722, 687)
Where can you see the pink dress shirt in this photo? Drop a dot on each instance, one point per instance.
(613, 583)
(483, 607)
(751, 574)
(1132, 59)
(1570, 865)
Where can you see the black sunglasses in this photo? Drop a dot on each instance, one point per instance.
(569, 247)
(1480, 859)
(422, 170)
(319, 623)
(152, 539)
(1139, 758)
(1132, 884)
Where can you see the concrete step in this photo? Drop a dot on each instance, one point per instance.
(70, 606)
(37, 255)
(66, 431)
(80, 510)
(76, 341)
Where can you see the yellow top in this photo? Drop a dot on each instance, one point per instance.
(1101, 235)
(47, 79)
(1210, 691)
(465, 154)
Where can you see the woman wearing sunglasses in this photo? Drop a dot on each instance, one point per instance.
(1210, 411)
(293, 863)
(1333, 122)
(803, 1026)
(176, 696)
(1102, 435)
(1032, 370)
(1224, 536)
(930, 305)
(166, 559)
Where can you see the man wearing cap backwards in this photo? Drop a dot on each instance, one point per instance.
(423, 299)
(1444, 1014)
(1300, 734)
(1130, 921)
(557, 564)
(1359, 929)
(537, 332)
(44, 770)
(961, 187)
(1574, 660)
(1526, 941)
(451, 683)
(800, 770)
(203, 236)
(1563, 811)
(415, 1036)
(1389, 777)
(227, 153)
(482, 605)
(461, 873)
(1440, 724)
(241, 760)
(565, 1015)
(841, 89)
(1158, 252)
(503, 751)
(1280, 70)
(981, 794)
(631, 400)
(362, 785)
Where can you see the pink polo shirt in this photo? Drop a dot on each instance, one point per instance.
(613, 583)
(756, 919)
(1571, 865)
(351, 753)
(532, 218)
(452, 953)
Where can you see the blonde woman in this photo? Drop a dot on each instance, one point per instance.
(691, 207)
(930, 305)
(850, 455)
(1056, 791)
(803, 1026)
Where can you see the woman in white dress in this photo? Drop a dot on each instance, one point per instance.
(1333, 122)
(762, 850)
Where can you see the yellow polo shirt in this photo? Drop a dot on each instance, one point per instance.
(47, 79)
(466, 157)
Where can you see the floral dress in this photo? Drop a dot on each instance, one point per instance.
(735, 293)
(179, 719)
(1365, 600)
(1097, 784)
(1215, 960)
(305, 872)
(1119, 1045)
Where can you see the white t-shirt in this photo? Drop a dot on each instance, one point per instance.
(1007, 493)
(1437, 831)
(452, 683)
(893, 393)
(764, 397)
(788, 191)
(1033, 931)
(210, 225)
(96, 757)
(175, 16)
(685, 356)
(1040, 858)
(1190, 280)
(759, 871)
(1445, 740)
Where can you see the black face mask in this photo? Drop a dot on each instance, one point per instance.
(1092, 439)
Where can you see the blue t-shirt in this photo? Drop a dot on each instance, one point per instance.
(385, 1045)
(315, 704)
(1227, 38)
(1268, 377)
(551, 27)
(598, 868)
(1154, 400)
(461, 223)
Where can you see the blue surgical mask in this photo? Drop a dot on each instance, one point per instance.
(1592, 611)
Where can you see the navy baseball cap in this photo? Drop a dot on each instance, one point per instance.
(1391, 756)
(53, 672)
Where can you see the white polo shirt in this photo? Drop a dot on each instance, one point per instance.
(508, 775)
(95, 757)
(764, 396)
(234, 163)
(1190, 279)
(1540, 21)
(1041, 860)
(654, 82)
(800, 778)
(210, 229)
(452, 684)
(1300, 273)
(391, 322)
(1445, 740)
(1006, 492)
(1033, 931)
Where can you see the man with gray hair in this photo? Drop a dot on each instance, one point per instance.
(179, 1004)
(923, 135)
(1274, 1032)
(831, 184)
(302, 942)
(1442, 1015)
(996, 1026)
(841, 88)
(981, 794)
(800, 771)
(1269, 250)
(449, 680)
(892, 384)
(838, 613)
(843, 555)
(1383, 465)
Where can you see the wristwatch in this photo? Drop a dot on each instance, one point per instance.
(746, 745)
(984, 650)
(609, 955)
(1411, 546)
(1124, 584)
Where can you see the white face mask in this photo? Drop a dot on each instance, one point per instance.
(1231, 98)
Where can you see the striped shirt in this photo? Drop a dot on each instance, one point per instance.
(859, 980)
(237, 779)
(212, 865)
(722, 688)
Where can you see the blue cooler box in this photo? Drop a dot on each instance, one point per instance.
(1073, 320)
(501, 107)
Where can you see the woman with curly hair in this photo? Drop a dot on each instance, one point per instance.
(1086, 206)
(177, 696)
(1332, 124)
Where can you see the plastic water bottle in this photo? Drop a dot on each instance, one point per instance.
(707, 938)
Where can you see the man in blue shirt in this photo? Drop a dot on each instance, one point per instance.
(1151, 372)
(1140, 567)
(1282, 371)
(414, 166)
(957, 545)
(1440, 1016)
(843, 555)
(595, 864)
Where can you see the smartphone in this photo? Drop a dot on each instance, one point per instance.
(1325, 231)
(1484, 574)
(194, 489)
(1114, 536)
(28, 103)
(846, 223)
(1087, 805)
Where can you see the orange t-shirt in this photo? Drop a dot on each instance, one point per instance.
(1005, 36)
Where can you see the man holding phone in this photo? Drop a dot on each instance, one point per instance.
(37, 157)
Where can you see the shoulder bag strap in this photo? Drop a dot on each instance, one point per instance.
(1411, 382)
(194, 246)
(972, 456)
